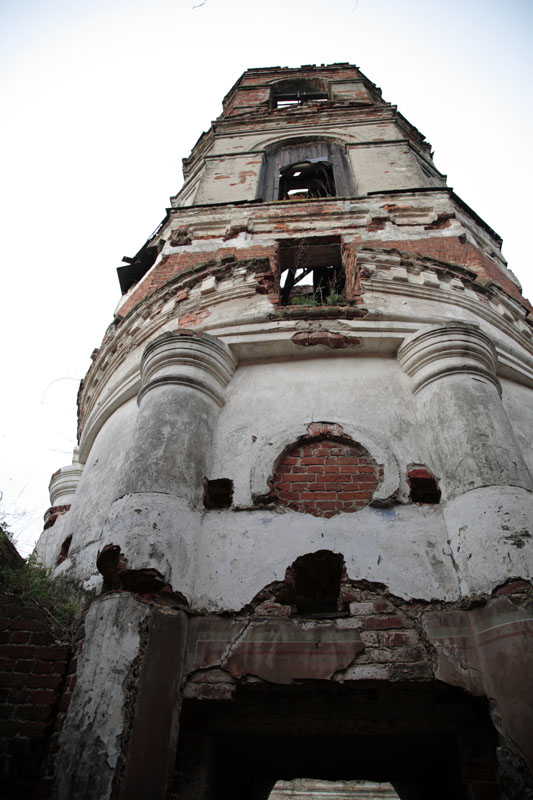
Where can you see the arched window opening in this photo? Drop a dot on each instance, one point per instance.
(306, 179)
(311, 271)
(306, 170)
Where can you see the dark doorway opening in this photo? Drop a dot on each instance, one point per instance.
(429, 740)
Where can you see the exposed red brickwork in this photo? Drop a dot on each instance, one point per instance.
(53, 513)
(32, 669)
(456, 251)
(335, 341)
(388, 628)
(324, 476)
(349, 253)
(391, 628)
(176, 264)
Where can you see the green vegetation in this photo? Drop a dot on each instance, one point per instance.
(335, 299)
(332, 299)
(30, 580)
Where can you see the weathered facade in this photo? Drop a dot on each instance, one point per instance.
(301, 503)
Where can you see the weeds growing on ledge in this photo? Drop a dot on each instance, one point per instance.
(30, 580)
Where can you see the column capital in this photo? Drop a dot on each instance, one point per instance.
(64, 482)
(455, 348)
(197, 360)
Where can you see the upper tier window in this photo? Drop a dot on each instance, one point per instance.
(294, 93)
(306, 170)
(306, 179)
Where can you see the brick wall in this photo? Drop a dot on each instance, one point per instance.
(33, 663)
(324, 476)
(178, 263)
(456, 251)
(46, 771)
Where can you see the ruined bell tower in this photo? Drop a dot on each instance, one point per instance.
(300, 507)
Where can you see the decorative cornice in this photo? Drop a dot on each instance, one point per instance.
(199, 361)
(453, 349)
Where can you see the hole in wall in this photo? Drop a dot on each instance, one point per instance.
(63, 553)
(297, 92)
(423, 486)
(218, 493)
(317, 582)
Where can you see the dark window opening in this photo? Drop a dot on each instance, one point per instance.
(287, 99)
(295, 93)
(63, 553)
(311, 271)
(306, 169)
(306, 179)
(218, 493)
(317, 581)
(424, 487)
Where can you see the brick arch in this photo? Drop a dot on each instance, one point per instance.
(325, 473)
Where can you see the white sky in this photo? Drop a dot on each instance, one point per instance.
(102, 99)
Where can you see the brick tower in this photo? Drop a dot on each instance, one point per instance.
(300, 506)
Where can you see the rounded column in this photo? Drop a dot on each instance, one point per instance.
(472, 443)
(183, 377)
(155, 518)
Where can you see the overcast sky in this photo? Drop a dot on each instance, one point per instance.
(100, 101)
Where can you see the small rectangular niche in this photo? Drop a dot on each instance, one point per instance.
(218, 493)
(311, 271)
(423, 486)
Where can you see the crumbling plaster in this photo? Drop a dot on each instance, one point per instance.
(95, 720)
(221, 559)
(361, 386)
